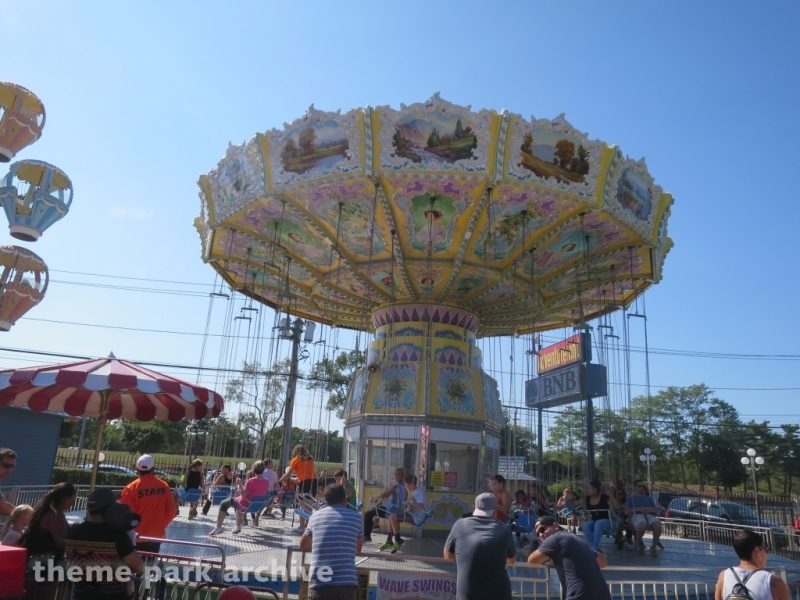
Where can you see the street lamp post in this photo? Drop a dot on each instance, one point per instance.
(754, 463)
(648, 458)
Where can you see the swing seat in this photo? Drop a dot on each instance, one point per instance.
(191, 496)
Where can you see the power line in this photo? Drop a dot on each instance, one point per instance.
(133, 289)
(636, 349)
(617, 417)
(131, 278)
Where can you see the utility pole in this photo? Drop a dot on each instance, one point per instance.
(590, 437)
(293, 334)
(539, 445)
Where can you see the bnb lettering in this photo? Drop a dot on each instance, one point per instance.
(160, 491)
(560, 384)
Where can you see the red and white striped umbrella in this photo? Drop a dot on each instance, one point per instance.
(108, 385)
(107, 388)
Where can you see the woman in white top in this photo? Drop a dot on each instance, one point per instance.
(762, 585)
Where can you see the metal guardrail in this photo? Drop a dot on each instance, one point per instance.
(528, 583)
(31, 494)
(784, 542)
(540, 582)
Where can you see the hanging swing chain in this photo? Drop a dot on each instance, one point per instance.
(427, 289)
(372, 240)
(633, 280)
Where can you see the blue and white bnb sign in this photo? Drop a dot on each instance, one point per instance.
(572, 382)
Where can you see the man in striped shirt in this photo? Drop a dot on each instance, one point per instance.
(334, 535)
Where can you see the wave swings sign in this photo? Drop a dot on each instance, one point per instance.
(399, 586)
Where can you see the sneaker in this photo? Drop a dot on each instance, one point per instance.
(396, 547)
(386, 546)
(237, 530)
(216, 531)
(255, 521)
(298, 530)
(192, 514)
(367, 539)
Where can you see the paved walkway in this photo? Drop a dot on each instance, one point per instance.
(266, 546)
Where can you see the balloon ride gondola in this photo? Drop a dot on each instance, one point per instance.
(431, 226)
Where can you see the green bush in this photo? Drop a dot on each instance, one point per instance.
(84, 477)
(557, 489)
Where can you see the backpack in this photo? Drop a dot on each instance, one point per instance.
(740, 591)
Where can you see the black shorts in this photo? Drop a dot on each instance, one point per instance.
(307, 486)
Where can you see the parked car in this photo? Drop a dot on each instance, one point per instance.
(662, 500)
(722, 512)
(110, 469)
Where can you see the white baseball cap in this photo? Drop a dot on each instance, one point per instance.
(145, 463)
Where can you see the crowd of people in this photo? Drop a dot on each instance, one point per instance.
(481, 543)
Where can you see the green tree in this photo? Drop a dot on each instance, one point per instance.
(433, 139)
(307, 140)
(564, 152)
(527, 143)
(262, 396)
(335, 376)
(151, 437)
(567, 440)
(459, 131)
(516, 440)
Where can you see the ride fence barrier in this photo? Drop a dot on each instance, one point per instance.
(541, 582)
(528, 583)
(782, 541)
(171, 465)
(31, 494)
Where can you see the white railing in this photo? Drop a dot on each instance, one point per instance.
(31, 494)
(782, 541)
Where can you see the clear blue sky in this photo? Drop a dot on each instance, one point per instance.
(144, 97)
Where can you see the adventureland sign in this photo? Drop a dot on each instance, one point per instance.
(568, 352)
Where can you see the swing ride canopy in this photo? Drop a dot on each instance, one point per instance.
(505, 225)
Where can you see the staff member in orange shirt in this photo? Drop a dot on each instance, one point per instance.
(151, 498)
(302, 466)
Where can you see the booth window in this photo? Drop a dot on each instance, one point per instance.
(352, 461)
(454, 467)
(375, 466)
(489, 469)
(403, 455)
